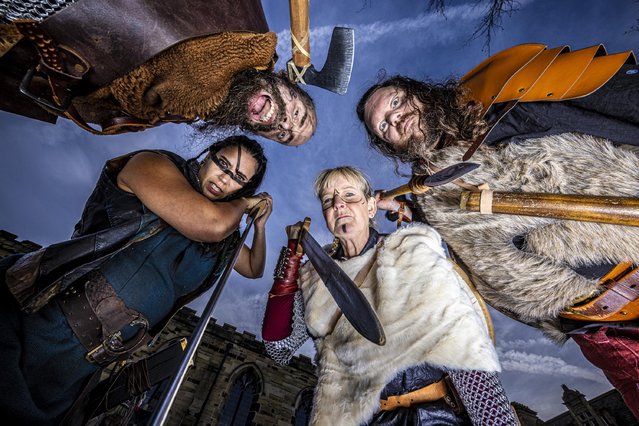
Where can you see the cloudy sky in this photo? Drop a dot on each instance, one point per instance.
(49, 170)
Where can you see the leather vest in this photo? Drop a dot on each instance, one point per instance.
(108, 206)
(111, 221)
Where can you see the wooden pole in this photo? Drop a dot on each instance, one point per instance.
(299, 30)
(586, 208)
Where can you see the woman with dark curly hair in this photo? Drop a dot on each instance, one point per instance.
(155, 233)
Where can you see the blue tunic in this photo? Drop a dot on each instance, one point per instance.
(44, 365)
(43, 360)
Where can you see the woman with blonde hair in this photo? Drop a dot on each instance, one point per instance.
(438, 351)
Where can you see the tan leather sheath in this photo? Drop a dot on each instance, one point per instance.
(433, 392)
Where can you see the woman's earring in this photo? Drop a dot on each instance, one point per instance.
(334, 246)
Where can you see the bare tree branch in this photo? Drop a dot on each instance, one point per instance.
(491, 21)
(437, 5)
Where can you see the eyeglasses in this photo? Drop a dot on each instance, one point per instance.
(349, 197)
(224, 165)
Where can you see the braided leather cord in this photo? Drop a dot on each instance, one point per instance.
(36, 10)
(484, 398)
(281, 351)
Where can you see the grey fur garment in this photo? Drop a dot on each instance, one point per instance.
(535, 283)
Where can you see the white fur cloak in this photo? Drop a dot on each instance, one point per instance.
(428, 313)
(534, 284)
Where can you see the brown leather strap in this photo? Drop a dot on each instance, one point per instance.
(618, 302)
(59, 62)
(358, 280)
(433, 392)
(96, 314)
(480, 300)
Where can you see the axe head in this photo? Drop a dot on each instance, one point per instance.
(336, 73)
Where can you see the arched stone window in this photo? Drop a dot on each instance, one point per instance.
(303, 407)
(241, 402)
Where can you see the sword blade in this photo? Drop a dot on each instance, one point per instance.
(347, 295)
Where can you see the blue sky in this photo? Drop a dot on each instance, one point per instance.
(48, 171)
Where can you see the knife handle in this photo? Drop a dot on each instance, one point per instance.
(306, 225)
(415, 185)
(299, 33)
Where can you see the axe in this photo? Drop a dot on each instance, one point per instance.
(336, 73)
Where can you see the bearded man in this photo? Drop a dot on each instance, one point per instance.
(131, 65)
(533, 269)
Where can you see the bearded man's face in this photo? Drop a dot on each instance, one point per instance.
(401, 121)
(266, 104)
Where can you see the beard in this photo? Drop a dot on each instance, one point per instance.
(425, 139)
(234, 110)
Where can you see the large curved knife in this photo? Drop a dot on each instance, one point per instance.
(347, 295)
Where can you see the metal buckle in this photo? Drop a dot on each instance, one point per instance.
(113, 346)
(24, 89)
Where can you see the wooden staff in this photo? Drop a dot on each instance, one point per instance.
(586, 208)
(300, 24)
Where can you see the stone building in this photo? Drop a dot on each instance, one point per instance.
(10, 245)
(607, 409)
(231, 382)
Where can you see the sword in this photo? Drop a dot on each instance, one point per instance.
(162, 411)
(347, 295)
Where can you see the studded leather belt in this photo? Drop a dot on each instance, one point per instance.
(98, 317)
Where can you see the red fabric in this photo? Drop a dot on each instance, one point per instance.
(616, 352)
(278, 318)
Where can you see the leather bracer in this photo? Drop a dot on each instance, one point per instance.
(286, 272)
(278, 318)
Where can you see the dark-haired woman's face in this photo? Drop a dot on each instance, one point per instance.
(221, 175)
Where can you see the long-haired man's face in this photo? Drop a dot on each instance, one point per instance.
(394, 117)
(280, 114)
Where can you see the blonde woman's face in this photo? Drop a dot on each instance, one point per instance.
(346, 210)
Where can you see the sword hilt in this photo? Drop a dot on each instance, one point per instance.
(306, 226)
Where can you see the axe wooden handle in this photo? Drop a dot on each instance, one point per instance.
(586, 208)
(299, 31)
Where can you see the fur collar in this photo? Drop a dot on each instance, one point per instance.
(535, 283)
(428, 314)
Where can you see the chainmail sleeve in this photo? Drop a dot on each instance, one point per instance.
(281, 351)
(484, 398)
(37, 10)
